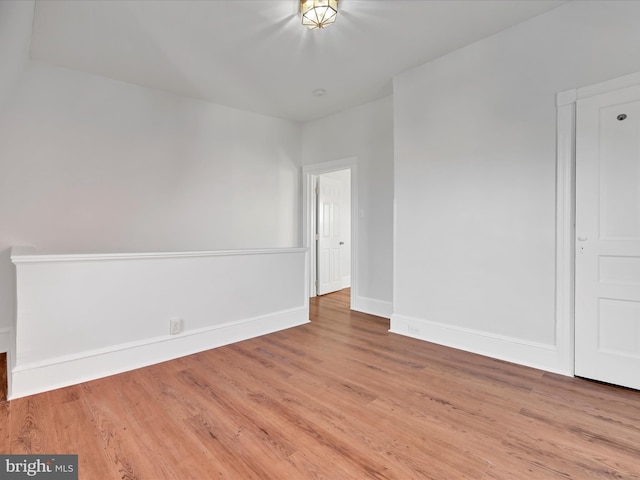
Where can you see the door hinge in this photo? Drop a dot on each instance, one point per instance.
(317, 237)
(317, 190)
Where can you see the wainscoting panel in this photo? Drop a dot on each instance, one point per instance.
(81, 317)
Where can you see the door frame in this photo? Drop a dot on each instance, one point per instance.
(566, 212)
(309, 175)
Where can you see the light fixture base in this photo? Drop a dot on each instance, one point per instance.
(318, 14)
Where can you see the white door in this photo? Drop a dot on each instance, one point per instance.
(329, 235)
(607, 309)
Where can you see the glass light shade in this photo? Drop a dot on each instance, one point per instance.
(318, 13)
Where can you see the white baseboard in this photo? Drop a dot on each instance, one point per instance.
(514, 350)
(29, 379)
(372, 306)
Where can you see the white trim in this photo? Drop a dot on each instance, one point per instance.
(625, 81)
(394, 279)
(566, 98)
(309, 174)
(372, 306)
(11, 361)
(515, 350)
(565, 233)
(307, 285)
(37, 377)
(29, 255)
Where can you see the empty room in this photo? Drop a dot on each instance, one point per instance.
(319, 239)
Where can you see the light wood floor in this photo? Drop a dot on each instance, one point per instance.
(340, 398)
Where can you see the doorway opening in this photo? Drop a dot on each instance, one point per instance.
(333, 231)
(332, 266)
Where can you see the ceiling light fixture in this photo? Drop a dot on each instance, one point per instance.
(318, 13)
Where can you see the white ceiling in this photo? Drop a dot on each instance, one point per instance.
(255, 55)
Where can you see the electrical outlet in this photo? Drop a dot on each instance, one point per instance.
(176, 326)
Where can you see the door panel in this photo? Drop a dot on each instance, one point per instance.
(329, 235)
(607, 310)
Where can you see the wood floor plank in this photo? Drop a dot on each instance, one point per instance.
(32, 428)
(5, 427)
(272, 417)
(339, 398)
(68, 417)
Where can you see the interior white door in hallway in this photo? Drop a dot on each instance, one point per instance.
(330, 236)
(607, 268)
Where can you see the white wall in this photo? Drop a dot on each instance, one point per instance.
(88, 164)
(365, 132)
(16, 20)
(475, 178)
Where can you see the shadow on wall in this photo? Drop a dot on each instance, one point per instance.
(7, 291)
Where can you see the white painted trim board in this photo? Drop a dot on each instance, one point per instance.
(531, 354)
(37, 377)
